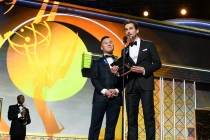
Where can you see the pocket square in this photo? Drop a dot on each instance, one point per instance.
(144, 49)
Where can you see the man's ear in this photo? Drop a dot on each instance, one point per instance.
(137, 31)
(101, 48)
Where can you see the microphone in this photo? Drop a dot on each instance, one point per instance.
(125, 39)
(123, 94)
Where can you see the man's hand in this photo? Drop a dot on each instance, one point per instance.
(114, 70)
(111, 93)
(23, 113)
(108, 93)
(137, 69)
(22, 118)
(114, 92)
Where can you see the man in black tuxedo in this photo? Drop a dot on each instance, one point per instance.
(20, 117)
(107, 96)
(143, 57)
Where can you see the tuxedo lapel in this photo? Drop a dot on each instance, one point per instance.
(106, 64)
(140, 51)
(18, 109)
(17, 106)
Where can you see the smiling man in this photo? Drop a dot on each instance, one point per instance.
(107, 97)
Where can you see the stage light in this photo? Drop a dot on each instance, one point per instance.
(183, 11)
(146, 13)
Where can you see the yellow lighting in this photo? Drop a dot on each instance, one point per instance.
(146, 13)
(183, 12)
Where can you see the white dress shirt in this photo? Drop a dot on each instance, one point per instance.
(134, 50)
(110, 60)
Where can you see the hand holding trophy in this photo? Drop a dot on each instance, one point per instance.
(23, 112)
(124, 67)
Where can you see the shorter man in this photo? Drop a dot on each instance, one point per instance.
(107, 94)
(20, 117)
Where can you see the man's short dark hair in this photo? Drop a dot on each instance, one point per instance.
(19, 96)
(133, 22)
(104, 38)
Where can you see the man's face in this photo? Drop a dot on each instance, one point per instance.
(107, 46)
(131, 32)
(21, 99)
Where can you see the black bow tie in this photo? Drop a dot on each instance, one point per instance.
(20, 105)
(109, 56)
(133, 43)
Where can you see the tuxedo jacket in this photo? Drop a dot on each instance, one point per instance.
(149, 59)
(17, 127)
(102, 78)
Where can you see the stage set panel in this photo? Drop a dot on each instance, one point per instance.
(42, 47)
(174, 102)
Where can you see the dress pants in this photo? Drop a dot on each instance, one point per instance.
(132, 104)
(112, 110)
(17, 137)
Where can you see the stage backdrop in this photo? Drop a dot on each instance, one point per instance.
(41, 47)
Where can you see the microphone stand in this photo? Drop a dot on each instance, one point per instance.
(123, 93)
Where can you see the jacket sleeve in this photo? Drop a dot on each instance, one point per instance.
(156, 62)
(94, 75)
(12, 113)
(120, 84)
(28, 116)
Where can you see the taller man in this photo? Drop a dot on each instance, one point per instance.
(143, 56)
